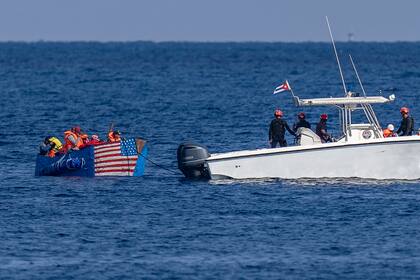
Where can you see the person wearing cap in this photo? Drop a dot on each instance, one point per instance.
(321, 129)
(389, 131)
(407, 123)
(114, 136)
(277, 130)
(302, 122)
(72, 139)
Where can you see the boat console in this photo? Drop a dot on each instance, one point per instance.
(306, 137)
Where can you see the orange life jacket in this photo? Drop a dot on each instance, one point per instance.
(113, 137)
(388, 133)
(69, 144)
(85, 138)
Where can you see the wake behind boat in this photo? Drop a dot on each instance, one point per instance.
(362, 150)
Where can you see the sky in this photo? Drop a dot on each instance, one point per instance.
(209, 20)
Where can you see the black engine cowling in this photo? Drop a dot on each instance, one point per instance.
(192, 160)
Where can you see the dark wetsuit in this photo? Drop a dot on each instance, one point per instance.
(406, 127)
(276, 133)
(301, 123)
(321, 131)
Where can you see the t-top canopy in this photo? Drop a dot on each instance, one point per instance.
(342, 100)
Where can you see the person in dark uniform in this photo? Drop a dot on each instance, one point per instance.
(301, 122)
(277, 130)
(321, 129)
(407, 123)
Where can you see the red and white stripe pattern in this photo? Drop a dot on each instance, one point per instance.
(110, 161)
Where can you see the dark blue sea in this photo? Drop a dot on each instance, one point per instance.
(163, 226)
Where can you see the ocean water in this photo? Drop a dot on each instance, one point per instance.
(164, 226)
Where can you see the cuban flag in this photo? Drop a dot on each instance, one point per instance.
(283, 87)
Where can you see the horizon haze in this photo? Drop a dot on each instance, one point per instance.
(210, 21)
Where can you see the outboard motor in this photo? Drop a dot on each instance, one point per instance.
(192, 160)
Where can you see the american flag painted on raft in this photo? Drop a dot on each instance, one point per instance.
(117, 159)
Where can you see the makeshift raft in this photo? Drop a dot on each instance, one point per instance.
(124, 158)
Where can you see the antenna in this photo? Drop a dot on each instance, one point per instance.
(336, 56)
(357, 75)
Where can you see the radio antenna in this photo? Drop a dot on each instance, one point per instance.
(336, 56)
(357, 75)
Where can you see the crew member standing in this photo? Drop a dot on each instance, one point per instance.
(407, 123)
(321, 129)
(301, 122)
(277, 130)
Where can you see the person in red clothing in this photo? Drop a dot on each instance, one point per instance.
(94, 140)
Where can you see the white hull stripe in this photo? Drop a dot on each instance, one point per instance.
(115, 174)
(114, 169)
(115, 149)
(116, 165)
(122, 163)
(101, 147)
(116, 152)
(116, 159)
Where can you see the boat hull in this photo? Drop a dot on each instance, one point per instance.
(395, 158)
(99, 160)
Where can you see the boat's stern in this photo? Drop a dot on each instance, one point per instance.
(192, 160)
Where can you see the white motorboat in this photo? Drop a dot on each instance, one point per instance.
(361, 152)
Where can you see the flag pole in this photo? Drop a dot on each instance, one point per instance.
(291, 90)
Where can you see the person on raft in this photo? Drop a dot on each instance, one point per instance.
(73, 139)
(114, 136)
(94, 140)
(50, 146)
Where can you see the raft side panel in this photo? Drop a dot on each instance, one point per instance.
(85, 154)
(141, 162)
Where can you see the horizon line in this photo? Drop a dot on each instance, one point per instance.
(201, 42)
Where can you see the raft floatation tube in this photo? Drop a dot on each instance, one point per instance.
(63, 165)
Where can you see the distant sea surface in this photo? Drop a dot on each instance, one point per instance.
(164, 226)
